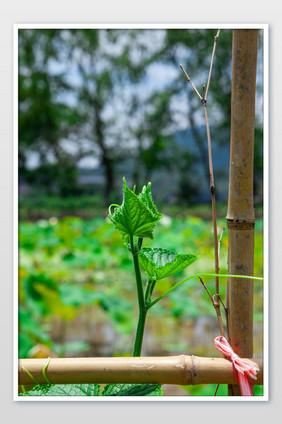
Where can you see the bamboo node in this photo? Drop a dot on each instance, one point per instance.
(247, 224)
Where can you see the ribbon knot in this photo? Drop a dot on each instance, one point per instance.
(242, 370)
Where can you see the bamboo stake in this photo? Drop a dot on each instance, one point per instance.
(240, 213)
(182, 369)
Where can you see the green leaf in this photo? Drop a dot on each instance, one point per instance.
(146, 197)
(132, 390)
(94, 390)
(64, 390)
(157, 392)
(137, 215)
(161, 263)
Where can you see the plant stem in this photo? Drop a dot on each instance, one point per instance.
(149, 291)
(212, 189)
(216, 302)
(211, 64)
(139, 333)
(141, 301)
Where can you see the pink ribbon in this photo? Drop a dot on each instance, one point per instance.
(242, 370)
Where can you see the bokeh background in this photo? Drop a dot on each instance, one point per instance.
(94, 106)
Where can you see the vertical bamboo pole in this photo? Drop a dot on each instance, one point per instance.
(240, 213)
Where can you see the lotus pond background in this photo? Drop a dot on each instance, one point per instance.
(77, 294)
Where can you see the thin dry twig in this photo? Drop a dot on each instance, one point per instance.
(225, 307)
(210, 296)
(216, 389)
(189, 80)
(216, 301)
(226, 314)
(221, 301)
(207, 290)
(211, 65)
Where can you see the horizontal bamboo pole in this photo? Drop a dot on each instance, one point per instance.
(182, 370)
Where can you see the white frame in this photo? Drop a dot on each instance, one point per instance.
(265, 29)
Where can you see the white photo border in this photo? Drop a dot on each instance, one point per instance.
(265, 28)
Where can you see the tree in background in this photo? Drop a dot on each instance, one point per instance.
(171, 106)
(44, 120)
(94, 93)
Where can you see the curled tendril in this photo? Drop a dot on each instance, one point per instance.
(113, 205)
(30, 375)
(44, 371)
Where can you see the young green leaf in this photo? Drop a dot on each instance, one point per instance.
(146, 197)
(132, 390)
(137, 215)
(64, 390)
(161, 263)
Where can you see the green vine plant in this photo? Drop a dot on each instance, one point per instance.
(135, 219)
